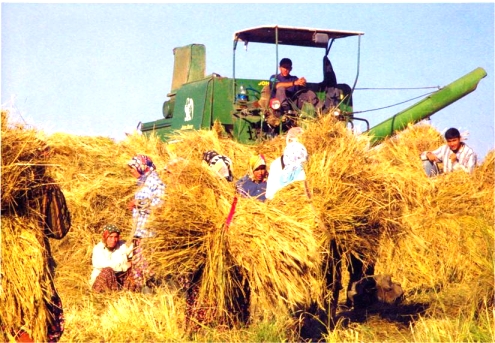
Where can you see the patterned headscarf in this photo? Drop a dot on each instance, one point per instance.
(254, 162)
(219, 163)
(142, 163)
(107, 230)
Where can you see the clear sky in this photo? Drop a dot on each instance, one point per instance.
(100, 69)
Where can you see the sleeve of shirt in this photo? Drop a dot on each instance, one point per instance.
(240, 187)
(157, 192)
(273, 181)
(273, 81)
(98, 258)
(472, 161)
(438, 153)
(467, 162)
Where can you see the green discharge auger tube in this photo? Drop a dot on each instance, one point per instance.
(426, 107)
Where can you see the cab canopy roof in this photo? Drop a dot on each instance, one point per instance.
(299, 36)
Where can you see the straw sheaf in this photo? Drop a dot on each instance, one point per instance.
(26, 284)
(24, 159)
(280, 253)
(345, 186)
(191, 230)
(437, 215)
(190, 145)
(426, 232)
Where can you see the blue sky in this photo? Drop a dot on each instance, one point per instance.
(99, 69)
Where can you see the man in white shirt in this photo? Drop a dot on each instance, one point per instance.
(455, 155)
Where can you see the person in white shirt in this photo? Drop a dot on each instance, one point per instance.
(287, 169)
(454, 155)
(111, 262)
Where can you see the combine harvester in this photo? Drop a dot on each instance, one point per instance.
(242, 106)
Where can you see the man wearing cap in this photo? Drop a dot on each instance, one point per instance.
(454, 155)
(284, 86)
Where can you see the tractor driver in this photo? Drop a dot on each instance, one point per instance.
(289, 88)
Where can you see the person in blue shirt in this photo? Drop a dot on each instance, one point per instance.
(289, 88)
(254, 183)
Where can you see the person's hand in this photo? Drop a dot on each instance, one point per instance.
(300, 82)
(131, 204)
(431, 157)
(453, 157)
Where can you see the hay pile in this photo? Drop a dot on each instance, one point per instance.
(374, 202)
(267, 245)
(25, 259)
(446, 237)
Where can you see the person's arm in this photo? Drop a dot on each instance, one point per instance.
(435, 155)
(240, 187)
(157, 192)
(98, 259)
(150, 195)
(472, 161)
(296, 82)
(273, 180)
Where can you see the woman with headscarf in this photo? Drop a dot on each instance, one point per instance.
(254, 183)
(111, 262)
(148, 196)
(287, 169)
(220, 164)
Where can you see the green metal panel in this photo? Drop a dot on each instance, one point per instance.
(189, 65)
(245, 124)
(159, 127)
(190, 105)
(219, 107)
(427, 106)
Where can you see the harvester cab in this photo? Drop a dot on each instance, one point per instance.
(325, 97)
(246, 108)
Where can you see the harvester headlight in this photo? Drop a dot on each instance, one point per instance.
(275, 104)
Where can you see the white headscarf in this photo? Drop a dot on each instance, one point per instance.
(293, 159)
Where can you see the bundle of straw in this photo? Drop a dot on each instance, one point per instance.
(275, 252)
(26, 280)
(27, 284)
